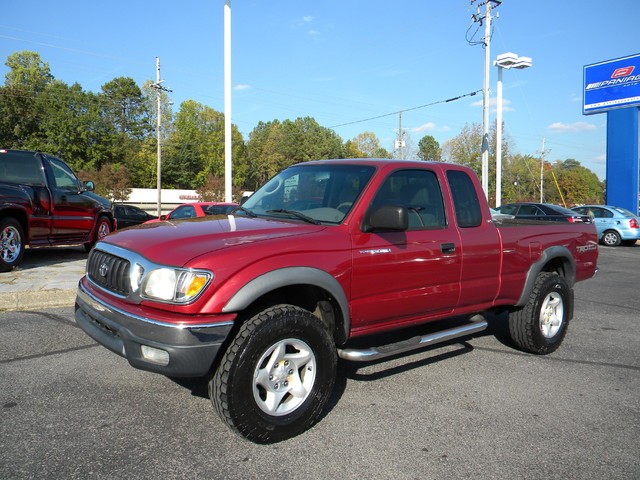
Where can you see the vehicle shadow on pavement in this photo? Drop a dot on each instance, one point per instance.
(350, 370)
(47, 256)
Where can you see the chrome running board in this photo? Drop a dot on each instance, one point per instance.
(382, 351)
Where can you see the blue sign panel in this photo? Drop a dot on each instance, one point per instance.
(611, 84)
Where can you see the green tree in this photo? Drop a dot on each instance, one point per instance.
(195, 148)
(382, 153)
(26, 80)
(521, 179)
(351, 150)
(575, 184)
(429, 149)
(126, 107)
(71, 126)
(275, 145)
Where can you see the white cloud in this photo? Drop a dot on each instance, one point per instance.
(493, 103)
(242, 86)
(572, 127)
(313, 33)
(307, 18)
(427, 127)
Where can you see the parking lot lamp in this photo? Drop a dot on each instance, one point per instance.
(508, 61)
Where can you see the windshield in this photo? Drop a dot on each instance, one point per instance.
(323, 193)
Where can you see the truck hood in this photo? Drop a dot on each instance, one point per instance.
(177, 242)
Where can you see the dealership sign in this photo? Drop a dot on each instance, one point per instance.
(611, 84)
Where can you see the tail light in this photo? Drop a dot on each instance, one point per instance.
(574, 219)
(633, 223)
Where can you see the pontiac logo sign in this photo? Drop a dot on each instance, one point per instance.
(103, 269)
(623, 72)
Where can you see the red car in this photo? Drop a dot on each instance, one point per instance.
(196, 209)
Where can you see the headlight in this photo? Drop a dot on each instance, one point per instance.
(174, 285)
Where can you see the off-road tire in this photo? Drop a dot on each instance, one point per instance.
(540, 326)
(12, 243)
(283, 348)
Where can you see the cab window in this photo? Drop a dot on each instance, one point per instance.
(63, 177)
(419, 192)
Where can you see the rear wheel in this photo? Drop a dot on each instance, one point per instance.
(540, 326)
(276, 376)
(611, 238)
(103, 228)
(12, 243)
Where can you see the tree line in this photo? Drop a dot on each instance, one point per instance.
(110, 136)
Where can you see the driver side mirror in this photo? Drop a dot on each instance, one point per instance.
(390, 218)
(89, 186)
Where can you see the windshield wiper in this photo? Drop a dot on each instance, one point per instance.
(245, 210)
(296, 214)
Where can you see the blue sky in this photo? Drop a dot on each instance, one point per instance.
(345, 61)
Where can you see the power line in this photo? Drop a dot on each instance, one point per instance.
(407, 109)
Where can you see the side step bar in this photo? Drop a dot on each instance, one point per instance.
(375, 353)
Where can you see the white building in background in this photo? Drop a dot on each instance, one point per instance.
(147, 198)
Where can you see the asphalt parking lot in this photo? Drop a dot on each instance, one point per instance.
(473, 409)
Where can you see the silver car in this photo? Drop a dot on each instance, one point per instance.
(615, 225)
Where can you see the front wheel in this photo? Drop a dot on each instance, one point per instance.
(12, 244)
(540, 326)
(276, 376)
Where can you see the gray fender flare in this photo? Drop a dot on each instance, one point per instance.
(275, 279)
(548, 255)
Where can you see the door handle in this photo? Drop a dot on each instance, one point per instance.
(447, 247)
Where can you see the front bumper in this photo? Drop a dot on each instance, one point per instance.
(191, 349)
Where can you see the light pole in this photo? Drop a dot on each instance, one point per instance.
(227, 102)
(508, 61)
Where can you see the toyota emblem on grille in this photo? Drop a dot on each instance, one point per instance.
(103, 269)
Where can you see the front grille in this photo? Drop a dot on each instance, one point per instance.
(109, 272)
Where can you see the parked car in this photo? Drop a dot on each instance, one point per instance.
(615, 225)
(43, 204)
(129, 215)
(542, 211)
(196, 209)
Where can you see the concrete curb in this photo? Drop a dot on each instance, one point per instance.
(46, 278)
(38, 300)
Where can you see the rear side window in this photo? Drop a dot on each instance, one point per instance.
(22, 168)
(465, 199)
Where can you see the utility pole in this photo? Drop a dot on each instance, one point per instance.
(542, 153)
(486, 43)
(159, 89)
(400, 140)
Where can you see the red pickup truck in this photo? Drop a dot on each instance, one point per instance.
(325, 255)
